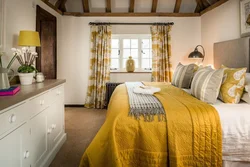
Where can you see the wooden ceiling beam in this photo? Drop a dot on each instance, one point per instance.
(154, 6)
(216, 4)
(199, 6)
(108, 6)
(177, 6)
(206, 3)
(132, 6)
(131, 14)
(52, 6)
(58, 3)
(85, 6)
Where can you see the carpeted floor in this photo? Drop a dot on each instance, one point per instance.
(81, 126)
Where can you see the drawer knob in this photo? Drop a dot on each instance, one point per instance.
(58, 92)
(26, 154)
(53, 126)
(12, 118)
(41, 102)
(49, 131)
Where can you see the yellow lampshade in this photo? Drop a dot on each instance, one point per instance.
(29, 38)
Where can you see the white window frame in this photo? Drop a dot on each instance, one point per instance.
(131, 36)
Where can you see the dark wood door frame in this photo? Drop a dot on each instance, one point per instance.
(43, 15)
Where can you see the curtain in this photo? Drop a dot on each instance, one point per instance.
(161, 50)
(99, 66)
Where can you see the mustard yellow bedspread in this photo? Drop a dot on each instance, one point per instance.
(191, 136)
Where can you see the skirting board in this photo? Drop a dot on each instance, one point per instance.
(53, 153)
(74, 105)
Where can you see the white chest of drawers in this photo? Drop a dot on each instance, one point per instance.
(32, 131)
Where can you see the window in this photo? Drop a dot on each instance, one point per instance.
(137, 46)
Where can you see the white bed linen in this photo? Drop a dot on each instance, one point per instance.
(235, 121)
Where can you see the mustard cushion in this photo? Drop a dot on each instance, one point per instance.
(233, 85)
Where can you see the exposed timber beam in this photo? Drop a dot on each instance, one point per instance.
(132, 6)
(108, 6)
(177, 6)
(216, 4)
(131, 14)
(85, 6)
(154, 6)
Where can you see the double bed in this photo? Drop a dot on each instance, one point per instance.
(125, 141)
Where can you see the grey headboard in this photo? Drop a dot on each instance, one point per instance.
(233, 53)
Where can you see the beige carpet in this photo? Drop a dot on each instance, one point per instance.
(81, 126)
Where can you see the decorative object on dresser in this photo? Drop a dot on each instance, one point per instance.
(10, 92)
(130, 64)
(244, 15)
(196, 54)
(4, 73)
(26, 57)
(32, 125)
(39, 77)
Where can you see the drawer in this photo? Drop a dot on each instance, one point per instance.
(38, 103)
(55, 94)
(14, 117)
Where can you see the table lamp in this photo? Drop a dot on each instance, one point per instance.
(28, 39)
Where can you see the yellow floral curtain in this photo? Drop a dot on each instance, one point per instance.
(161, 48)
(99, 66)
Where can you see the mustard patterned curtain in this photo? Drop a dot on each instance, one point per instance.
(161, 48)
(99, 66)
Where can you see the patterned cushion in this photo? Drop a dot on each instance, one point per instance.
(183, 75)
(233, 85)
(206, 84)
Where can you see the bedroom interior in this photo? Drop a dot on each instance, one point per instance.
(124, 83)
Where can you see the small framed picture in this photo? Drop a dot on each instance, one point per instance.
(245, 17)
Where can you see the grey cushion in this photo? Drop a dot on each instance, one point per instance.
(206, 84)
(183, 75)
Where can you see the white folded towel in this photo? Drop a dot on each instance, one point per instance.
(147, 90)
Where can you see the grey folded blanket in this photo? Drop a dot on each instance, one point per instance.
(144, 105)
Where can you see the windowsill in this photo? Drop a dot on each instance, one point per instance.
(125, 72)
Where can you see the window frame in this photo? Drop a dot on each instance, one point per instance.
(120, 37)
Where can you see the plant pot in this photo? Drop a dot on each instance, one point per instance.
(26, 78)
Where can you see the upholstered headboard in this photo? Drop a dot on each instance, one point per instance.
(233, 53)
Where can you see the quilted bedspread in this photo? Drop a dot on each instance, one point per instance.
(190, 137)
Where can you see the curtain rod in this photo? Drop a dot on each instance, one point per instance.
(108, 23)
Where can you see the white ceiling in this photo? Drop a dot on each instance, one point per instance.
(187, 6)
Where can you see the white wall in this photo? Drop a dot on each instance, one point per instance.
(75, 53)
(220, 24)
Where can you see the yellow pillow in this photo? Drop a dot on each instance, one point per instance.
(233, 84)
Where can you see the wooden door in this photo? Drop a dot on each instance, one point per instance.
(46, 26)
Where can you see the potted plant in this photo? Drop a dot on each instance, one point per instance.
(26, 71)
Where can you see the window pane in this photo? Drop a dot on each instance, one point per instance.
(114, 63)
(125, 60)
(145, 53)
(134, 53)
(146, 63)
(115, 53)
(126, 53)
(145, 43)
(134, 43)
(115, 43)
(126, 43)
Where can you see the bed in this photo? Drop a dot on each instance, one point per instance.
(123, 140)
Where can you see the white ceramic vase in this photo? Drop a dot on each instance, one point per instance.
(26, 78)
